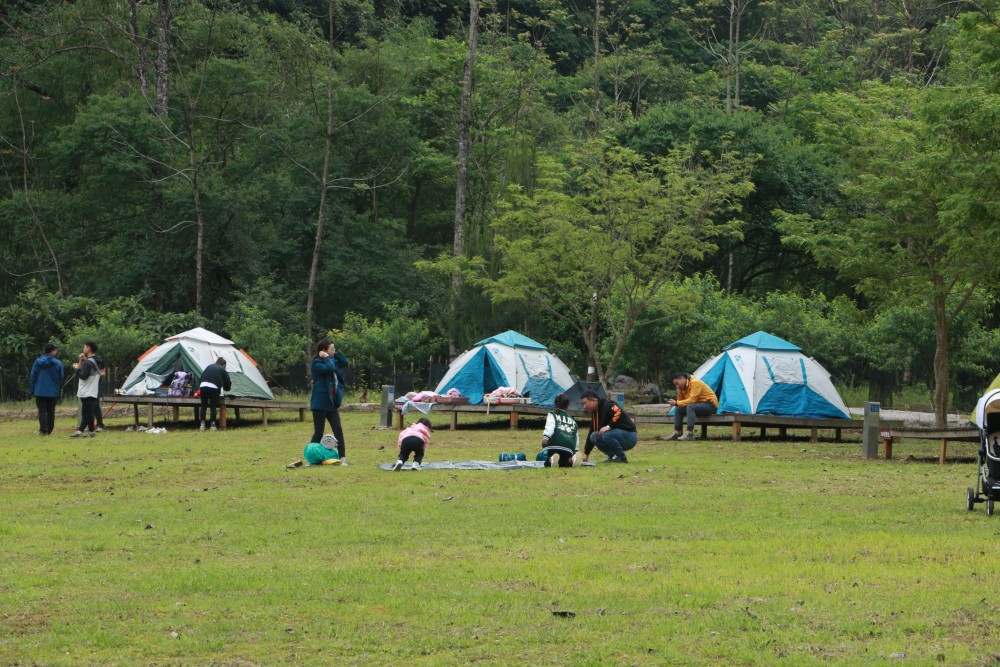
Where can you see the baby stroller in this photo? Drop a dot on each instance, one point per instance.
(988, 479)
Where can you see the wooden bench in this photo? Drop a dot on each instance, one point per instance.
(738, 421)
(942, 434)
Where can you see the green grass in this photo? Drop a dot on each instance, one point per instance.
(195, 548)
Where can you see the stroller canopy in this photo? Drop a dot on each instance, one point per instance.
(989, 404)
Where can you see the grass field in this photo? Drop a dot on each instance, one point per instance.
(190, 548)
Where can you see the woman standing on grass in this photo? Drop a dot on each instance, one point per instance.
(326, 399)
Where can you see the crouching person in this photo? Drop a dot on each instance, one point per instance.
(413, 440)
(561, 438)
(611, 430)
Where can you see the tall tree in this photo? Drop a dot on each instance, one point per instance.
(599, 258)
(462, 175)
(913, 229)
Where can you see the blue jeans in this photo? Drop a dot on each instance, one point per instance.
(692, 411)
(615, 442)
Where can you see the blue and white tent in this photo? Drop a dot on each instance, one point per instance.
(765, 375)
(509, 359)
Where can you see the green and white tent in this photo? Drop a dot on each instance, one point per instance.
(192, 351)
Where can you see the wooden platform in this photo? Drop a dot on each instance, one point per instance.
(513, 411)
(763, 422)
(176, 403)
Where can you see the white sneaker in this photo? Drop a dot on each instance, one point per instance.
(213, 428)
(343, 461)
(416, 466)
(77, 434)
(398, 466)
(554, 461)
(201, 427)
(99, 429)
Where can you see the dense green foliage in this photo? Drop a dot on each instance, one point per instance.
(165, 163)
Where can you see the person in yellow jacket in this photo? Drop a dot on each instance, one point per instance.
(694, 399)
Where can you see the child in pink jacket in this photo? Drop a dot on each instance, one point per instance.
(413, 440)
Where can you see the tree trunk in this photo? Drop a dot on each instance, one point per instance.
(941, 361)
(199, 257)
(323, 181)
(142, 63)
(162, 57)
(462, 176)
(597, 66)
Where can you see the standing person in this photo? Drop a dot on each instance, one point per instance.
(324, 395)
(611, 430)
(214, 379)
(44, 383)
(694, 399)
(89, 375)
(413, 440)
(99, 418)
(561, 437)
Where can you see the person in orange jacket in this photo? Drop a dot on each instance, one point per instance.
(694, 399)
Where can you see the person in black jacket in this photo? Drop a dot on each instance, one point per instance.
(214, 379)
(611, 430)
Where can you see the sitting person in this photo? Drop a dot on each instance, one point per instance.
(611, 430)
(560, 439)
(413, 440)
(694, 399)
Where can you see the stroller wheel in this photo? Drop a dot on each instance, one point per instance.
(970, 499)
(989, 507)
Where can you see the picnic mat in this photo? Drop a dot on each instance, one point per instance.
(474, 465)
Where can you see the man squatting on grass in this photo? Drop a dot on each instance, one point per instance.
(611, 430)
(560, 439)
(694, 399)
(89, 375)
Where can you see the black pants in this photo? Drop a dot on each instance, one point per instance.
(209, 400)
(90, 407)
(320, 417)
(565, 457)
(413, 444)
(46, 413)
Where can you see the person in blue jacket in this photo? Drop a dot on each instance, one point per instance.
(328, 393)
(45, 384)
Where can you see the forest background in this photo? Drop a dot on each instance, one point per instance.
(634, 183)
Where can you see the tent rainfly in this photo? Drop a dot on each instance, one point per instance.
(762, 374)
(509, 359)
(192, 351)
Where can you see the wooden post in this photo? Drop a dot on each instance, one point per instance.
(704, 431)
(513, 420)
(837, 434)
(454, 420)
(737, 431)
(944, 451)
(782, 432)
(149, 417)
(814, 434)
(263, 415)
(763, 432)
(887, 447)
(302, 414)
(399, 420)
(135, 409)
(222, 416)
(175, 411)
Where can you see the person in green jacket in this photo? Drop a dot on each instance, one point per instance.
(561, 438)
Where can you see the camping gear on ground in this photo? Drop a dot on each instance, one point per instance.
(762, 374)
(512, 456)
(478, 465)
(512, 360)
(191, 351)
(576, 390)
(987, 418)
